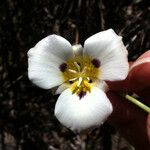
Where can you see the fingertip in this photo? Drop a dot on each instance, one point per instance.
(145, 55)
(144, 58)
(140, 72)
(140, 75)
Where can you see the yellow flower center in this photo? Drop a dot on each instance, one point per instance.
(81, 72)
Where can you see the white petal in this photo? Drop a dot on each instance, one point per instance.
(54, 45)
(44, 73)
(45, 78)
(44, 60)
(102, 85)
(109, 49)
(80, 114)
(61, 88)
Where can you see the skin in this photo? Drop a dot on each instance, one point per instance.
(132, 122)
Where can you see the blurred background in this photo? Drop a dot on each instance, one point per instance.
(26, 111)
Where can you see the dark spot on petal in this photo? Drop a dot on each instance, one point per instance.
(63, 67)
(81, 94)
(96, 63)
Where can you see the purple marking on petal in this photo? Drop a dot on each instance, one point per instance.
(81, 94)
(63, 67)
(96, 63)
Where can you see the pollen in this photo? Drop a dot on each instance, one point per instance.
(81, 72)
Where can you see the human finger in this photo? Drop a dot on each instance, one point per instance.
(130, 121)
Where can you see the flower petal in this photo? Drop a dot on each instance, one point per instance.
(44, 60)
(109, 49)
(102, 85)
(44, 77)
(80, 114)
(55, 45)
(61, 88)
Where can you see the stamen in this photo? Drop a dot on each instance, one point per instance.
(80, 81)
(88, 78)
(80, 72)
(77, 66)
(73, 79)
(72, 71)
(84, 69)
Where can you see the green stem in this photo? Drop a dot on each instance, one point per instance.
(138, 103)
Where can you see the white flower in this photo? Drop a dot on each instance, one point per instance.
(80, 74)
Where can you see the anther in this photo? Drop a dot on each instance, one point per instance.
(72, 80)
(96, 63)
(63, 67)
(88, 78)
(80, 81)
(72, 71)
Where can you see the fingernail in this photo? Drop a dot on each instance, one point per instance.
(139, 62)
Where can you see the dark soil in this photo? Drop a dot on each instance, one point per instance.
(26, 112)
